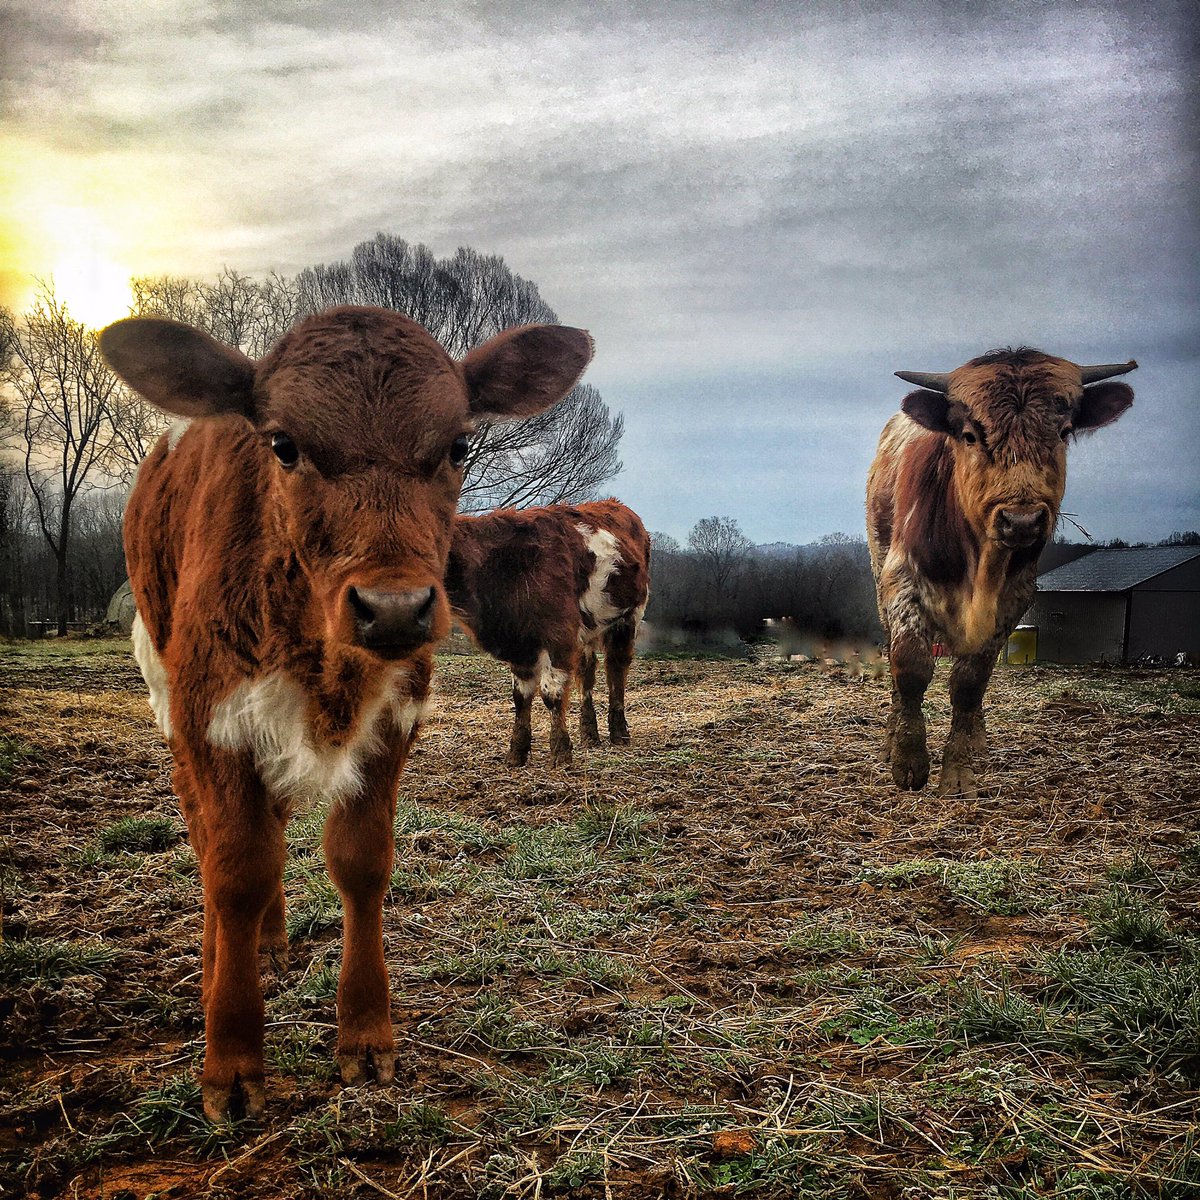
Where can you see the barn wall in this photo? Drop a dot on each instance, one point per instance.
(1079, 627)
(1164, 623)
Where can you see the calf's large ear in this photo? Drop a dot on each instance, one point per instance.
(522, 371)
(1102, 404)
(178, 368)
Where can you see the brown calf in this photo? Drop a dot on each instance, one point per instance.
(541, 589)
(962, 496)
(286, 554)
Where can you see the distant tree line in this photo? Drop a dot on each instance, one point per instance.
(721, 583)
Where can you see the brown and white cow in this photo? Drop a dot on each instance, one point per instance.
(963, 494)
(286, 554)
(542, 589)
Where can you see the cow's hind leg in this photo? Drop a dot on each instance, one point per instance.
(273, 939)
(241, 867)
(555, 687)
(524, 685)
(359, 847)
(967, 742)
(589, 731)
(912, 669)
(618, 655)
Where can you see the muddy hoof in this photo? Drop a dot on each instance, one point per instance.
(910, 770)
(516, 758)
(233, 1101)
(957, 779)
(561, 758)
(371, 1064)
(590, 737)
(620, 739)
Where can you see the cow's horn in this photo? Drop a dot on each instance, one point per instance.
(1095, 374)
(935, 381)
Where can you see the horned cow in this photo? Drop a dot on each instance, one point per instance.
(963, 494)
(542, 589)
(286, 555)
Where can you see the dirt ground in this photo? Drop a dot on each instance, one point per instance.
(730, 959)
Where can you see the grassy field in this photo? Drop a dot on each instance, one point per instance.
(728, 960)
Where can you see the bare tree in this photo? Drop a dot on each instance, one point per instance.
(721, 548)
(237, 309)
(558, 456)
(64, 426)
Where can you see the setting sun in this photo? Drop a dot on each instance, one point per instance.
(85, 277)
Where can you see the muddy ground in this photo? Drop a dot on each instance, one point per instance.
(730, 959)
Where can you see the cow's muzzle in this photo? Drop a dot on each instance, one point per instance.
(392, 624)
(1019, 528)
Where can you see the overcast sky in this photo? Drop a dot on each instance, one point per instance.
(759, 211)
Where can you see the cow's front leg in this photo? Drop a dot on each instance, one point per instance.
(555, 687)
(242, 872)
(524, 685)
(359, 847)
(968, 736)
(589, 730)
(912, 669)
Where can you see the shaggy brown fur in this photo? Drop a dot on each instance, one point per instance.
(540, 589)
(963, 494)
(307, 509)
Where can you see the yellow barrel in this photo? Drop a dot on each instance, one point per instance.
(1021, 650)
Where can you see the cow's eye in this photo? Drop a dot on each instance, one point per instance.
(285, 450)
(969, 437)
(459, 448)
(1065, 433)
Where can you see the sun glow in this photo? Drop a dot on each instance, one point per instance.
(85, 276)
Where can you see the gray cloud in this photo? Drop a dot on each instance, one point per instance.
(759, 212)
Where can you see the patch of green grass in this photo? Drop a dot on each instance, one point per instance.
(301, 1052)
(318, 985)
(575, 1170)
(496, 1024)
(824, 938)
(616, 826)
(777, 1166)
(12, 752)
(418, 885)
(1123, 917)
(52, 959)
(319, 909)
(174, 1109)
(140, 835)
(994, 885)
(472, 835)
(549, 852)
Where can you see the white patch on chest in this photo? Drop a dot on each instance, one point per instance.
(154, 673)
(269, 718)
(179, 426)
(595, 601)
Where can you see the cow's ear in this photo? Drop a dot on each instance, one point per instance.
(178, 368)
(523, 371)
(930, 409)
(1102, 404)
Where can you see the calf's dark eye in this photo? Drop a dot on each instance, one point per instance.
(969, 438)
(285, 449)
(1065, 433)
(459, 448)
